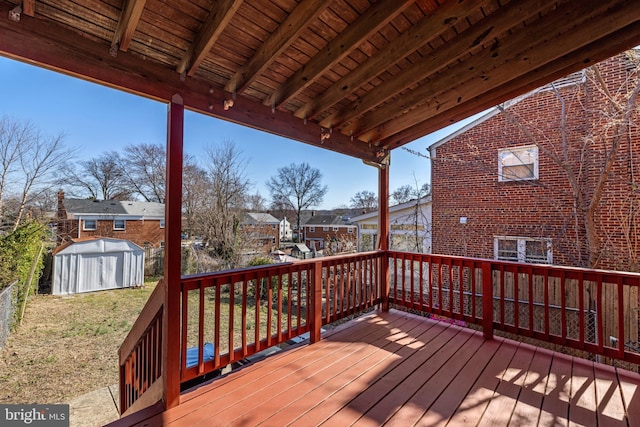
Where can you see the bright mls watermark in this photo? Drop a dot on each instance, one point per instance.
(34, 415)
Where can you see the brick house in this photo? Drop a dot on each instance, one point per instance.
(330, 233)
(501, 185)
(261, 232)
(139, 222)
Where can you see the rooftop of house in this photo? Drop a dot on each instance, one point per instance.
(326, 220)
(113, 207)
(260, 218)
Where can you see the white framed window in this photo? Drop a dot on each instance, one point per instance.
(523, 249)
(349, 229)
(325, 228)
(89, 224)
(336, 228)
(162, 223)
(312, 229)
(518, 163)
(119, 224)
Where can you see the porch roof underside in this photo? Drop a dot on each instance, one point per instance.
(353, 76)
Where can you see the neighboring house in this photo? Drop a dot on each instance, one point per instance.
(410, 227)
(330, 233)
(139, 222)
(260, 232)
(501, 185)
(286, 233)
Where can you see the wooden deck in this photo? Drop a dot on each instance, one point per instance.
(397, 369)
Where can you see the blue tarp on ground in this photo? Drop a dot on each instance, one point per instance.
(192, 354)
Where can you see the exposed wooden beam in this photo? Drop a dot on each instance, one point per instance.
(286, 33)
(209, 33)
(337, 49)
(430, 27)
(49, 45)
(626, 38)
(467, 43)
(131, 12)
(29, 7)
(454, 87)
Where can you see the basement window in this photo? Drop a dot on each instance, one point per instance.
(119, 224)
(518, 163)
(523, 249)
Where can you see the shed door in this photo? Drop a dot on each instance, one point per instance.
(100, 271)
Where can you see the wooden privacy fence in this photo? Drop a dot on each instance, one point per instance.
(230, 315)
(591, 310)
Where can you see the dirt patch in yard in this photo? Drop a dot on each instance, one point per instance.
(68, 346)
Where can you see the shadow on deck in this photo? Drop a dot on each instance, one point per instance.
(398, 369)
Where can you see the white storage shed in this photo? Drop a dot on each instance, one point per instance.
(96, 264)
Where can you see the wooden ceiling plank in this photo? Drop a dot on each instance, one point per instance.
(127, 24)
(29, 7)
(448, 90)
(368, 23)
(626, 38)
(410, 41)
(46, 44)
(467, 42)
(280, 40)
(214, 25)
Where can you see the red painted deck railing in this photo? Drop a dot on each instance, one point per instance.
(228, 316)
(140, 356)
(591, 310)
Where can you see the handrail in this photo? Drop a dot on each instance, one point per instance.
(271, 305)
(577, 308)
(140, 356)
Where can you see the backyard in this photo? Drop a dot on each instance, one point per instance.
(68, 346)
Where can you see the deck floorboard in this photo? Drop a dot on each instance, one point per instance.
(398, 369)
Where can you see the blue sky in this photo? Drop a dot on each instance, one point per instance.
(95, 119)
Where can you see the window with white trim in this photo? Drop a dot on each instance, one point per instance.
(89, 224)
(312, 229)
(119, 224)
(325, 228)
(523, 249)
(518, 163)
(162, 223)
(349, 229)
(335, 228)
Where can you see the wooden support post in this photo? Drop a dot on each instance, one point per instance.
(487, 300)
(172, 253)
(315, 305)
(383, 233)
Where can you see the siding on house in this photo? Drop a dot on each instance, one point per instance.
(472, 207)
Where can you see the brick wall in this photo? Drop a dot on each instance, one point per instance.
(465, 178)
(145, 233)
(263, 238)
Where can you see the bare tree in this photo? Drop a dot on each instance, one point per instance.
(366, 201)
(15, 137)
(99, 178)
(40, 157)
(410, 192)
(144, 167)
(297, 187)
(220, 217)
(195, 188)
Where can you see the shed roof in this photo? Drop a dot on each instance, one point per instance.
(96, 245)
